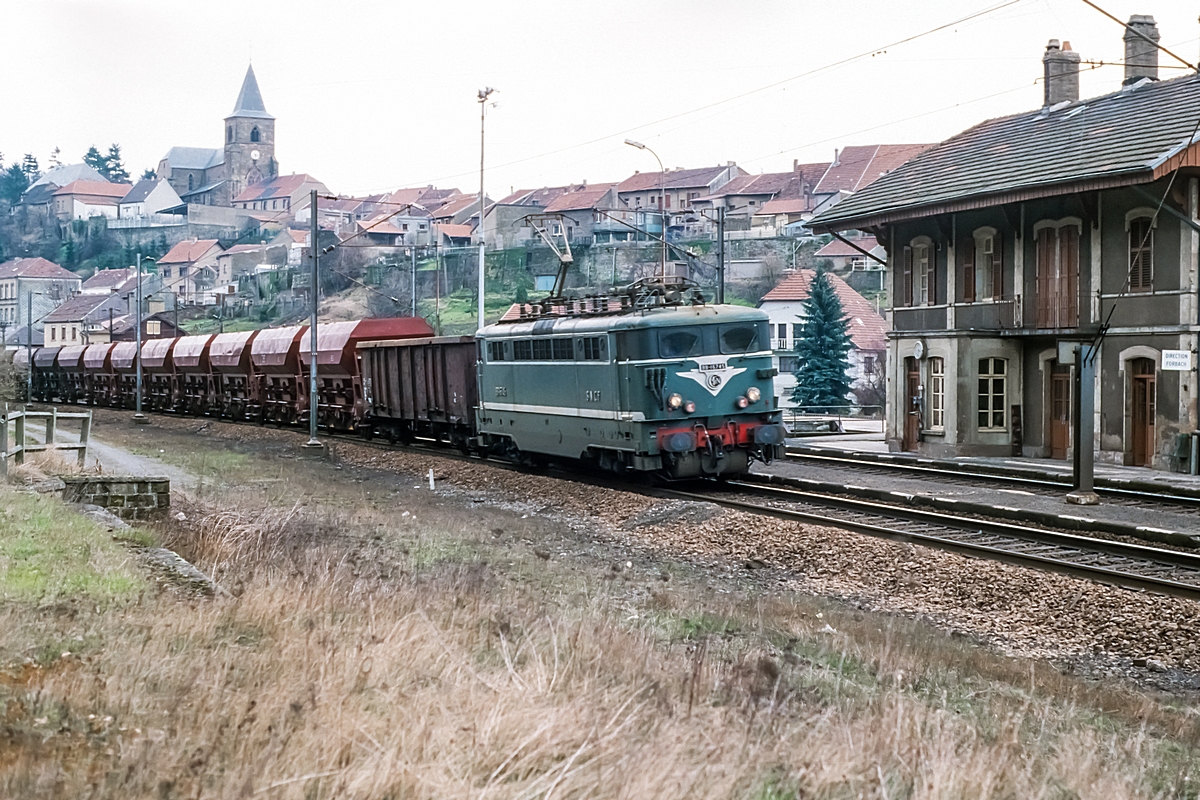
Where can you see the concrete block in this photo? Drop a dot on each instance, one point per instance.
(114, 501)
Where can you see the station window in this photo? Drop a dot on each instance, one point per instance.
(992, 377)
(937, 394)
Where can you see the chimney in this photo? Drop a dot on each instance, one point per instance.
(835, 156)
(1061, 65)
(1141, 57)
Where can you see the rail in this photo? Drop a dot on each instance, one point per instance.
(21, 444)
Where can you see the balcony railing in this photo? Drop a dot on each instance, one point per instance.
(781, 344)
(996, 314)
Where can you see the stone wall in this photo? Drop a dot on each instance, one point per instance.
(128, 497)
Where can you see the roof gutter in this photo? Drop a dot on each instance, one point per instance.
(903, 214)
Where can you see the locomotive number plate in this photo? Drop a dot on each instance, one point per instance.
(592, 395)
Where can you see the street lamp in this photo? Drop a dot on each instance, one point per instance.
(138, 417)
(483, 96)
(662, 195)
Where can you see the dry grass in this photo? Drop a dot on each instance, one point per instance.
(366, 657)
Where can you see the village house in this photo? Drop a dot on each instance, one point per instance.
(87, 199)
(147, 197)
(586, 214)
(745, 197)
(1025, 236)
(68, 324)
(36, 281)
(287, 193)
(677, 189)
(189, 270)
(784, 305)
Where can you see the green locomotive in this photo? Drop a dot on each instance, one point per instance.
(650, 381)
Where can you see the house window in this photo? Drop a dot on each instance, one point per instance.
(191, 182)
(918, 278)
(154, 328)
(782, 330)
(183, 271)
(1056, 250)
(787, 364)
(73, 332)
(166, 272)
(52, 334)
(937, 394)
(1141, 254)
(666, 201)
(992, 377)
(254, 134)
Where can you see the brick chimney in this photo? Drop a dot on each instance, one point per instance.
(1141, 57)
(1061, 65)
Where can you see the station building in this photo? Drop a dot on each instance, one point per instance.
(1077, 222)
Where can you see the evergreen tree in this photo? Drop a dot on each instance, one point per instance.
(822, 349)
(29, 165)
(13, 183)
(114, 167)
(55, 161)
(95, 159)
(149, 175)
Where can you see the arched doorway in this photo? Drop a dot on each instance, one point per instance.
(1059, 410)
(1142, 411)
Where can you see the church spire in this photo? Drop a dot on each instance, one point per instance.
(249, 101)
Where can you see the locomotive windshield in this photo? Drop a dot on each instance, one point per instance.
(741, 338)
(680, 343)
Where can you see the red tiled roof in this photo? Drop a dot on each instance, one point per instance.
(673, 179)
(242, 248)
(867, 329)
(35, 268)
(454, 230)
(114, 191)
(282, 186)
(580, 199)
(839, 248)
(857, 167)
(188, 251)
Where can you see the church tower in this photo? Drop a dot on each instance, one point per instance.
(249, 140)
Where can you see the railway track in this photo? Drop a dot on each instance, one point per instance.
(1131, 566)
(963, 475)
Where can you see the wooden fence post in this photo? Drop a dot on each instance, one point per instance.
(51, 426)
(85, 430)
(4, 442)
(19, 459)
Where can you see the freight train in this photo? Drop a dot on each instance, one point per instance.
(650, 380)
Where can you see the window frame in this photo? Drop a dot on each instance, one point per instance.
(987, 372)
(937, 393)
(1144, 280)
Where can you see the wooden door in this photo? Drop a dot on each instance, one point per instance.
(1142, 423)
(912, 410)
(1060, 410)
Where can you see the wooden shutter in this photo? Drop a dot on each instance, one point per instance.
(1140, 259)
(998, 266)
(1045, 278)
(1068, 272)
(931, 275)
(907, 278)
(966, 261)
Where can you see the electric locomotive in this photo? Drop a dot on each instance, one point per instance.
(651, 381)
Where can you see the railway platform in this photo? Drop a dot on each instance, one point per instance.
(1146, 504)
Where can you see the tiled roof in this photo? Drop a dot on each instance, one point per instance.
(282, 186)
(61, 176)
(786, 205)
(199, 190)
(242, 248)
(867, 329)
(39, 195)
(188, 251)
(858, 167)
(838, 248)
(454, 231)
(673, 179)
(581, 199)
(195, 157)
(249, 101)
(456, 205)
(75, 309)
(1116, 139)
(35, 268)
(140, 191)
(98, 189)
(771, 183)
(108, 279)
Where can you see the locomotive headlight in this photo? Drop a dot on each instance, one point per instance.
(689, 407)
(753, 394)
(674, 402)
(741, 402)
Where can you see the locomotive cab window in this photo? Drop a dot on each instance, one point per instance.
(592, 348)
(746, 337)
(496, 351)
(680, 343)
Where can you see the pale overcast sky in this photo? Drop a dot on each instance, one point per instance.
(376, 95)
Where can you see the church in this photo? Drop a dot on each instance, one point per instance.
(214, 176)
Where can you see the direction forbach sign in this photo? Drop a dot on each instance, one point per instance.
(1176, 360)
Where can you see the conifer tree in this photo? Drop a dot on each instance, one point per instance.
(29, 165)
(822, 350)
(95, 159)
(114, 165)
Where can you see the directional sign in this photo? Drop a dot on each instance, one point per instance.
(1178, 360)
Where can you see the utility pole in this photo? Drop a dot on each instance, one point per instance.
(28, 343)
(312, 443)
(138, 417)
(1083, 492)
(721, 255)
(413, 253)
(483, 96)
(662, 203)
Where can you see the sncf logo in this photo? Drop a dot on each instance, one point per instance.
(712, 374)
